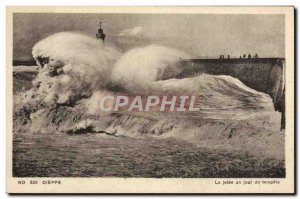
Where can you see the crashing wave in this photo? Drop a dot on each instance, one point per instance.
(76, 71)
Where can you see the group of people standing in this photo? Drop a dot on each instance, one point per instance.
(241, 57)
(249, 56)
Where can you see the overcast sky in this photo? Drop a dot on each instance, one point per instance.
(200, 35)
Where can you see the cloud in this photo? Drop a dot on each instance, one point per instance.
(135, 31)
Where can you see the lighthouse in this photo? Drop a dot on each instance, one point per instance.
(100, 34)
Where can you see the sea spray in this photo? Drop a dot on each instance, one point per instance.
(138, 68)
(77, 66)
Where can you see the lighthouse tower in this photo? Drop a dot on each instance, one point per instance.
(100, 34)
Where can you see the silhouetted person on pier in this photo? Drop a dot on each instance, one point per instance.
(240, 57)
(228, 57)
(256, 56)
(220, 57)
(244, 56)
(249, 56)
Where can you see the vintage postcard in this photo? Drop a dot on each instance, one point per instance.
(150, 100)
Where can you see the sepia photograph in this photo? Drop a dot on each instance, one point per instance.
(160, 94)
